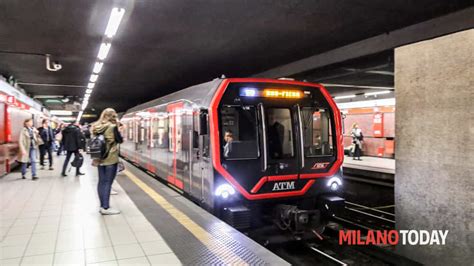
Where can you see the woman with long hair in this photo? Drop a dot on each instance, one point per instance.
(28, 145)
(107, 125)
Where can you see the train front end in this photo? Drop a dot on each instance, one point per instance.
(277, 153)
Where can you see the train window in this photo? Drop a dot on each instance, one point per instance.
(159, 131)
(279, 133)
(174, 131)
(239, 132)
(130, 129)
(316, 132)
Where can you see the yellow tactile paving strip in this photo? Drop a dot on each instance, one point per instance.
(219, 250)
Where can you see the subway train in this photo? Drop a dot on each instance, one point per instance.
(15, 107)
(248, 150)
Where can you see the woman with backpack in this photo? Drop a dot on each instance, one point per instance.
(107, 129)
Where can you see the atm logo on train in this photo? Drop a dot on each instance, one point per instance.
(287, 185)
(320, 166)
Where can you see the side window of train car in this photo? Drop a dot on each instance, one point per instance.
(317, 133)
(239, 132)
(159, 131)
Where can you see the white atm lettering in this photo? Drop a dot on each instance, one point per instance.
(283, 186)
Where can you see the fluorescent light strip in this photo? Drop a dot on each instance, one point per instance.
(60, 112)
(79, 116)
(376, 93)
(356, 86)
(114, 21)
(345, 97)
(103, 51)
(88, 91)
(370, 103)
(90, 85)
(94, 78)
(97, 67)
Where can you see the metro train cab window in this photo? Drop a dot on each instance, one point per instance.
(239, 132)
(279, 133)
(317, 134)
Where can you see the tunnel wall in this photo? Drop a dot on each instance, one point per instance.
(434, 182)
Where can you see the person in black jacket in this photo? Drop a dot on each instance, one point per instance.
(47, 135)
(73, 142)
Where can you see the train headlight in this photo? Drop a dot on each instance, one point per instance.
(334, 183)
(224, 191)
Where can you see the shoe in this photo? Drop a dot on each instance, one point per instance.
(113, 192)
(51, 168)
(63, 174)
(78, 174)
(34, 178)
(42, 167)
(109, 211)
(23, 177)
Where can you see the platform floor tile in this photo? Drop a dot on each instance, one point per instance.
(55, 221)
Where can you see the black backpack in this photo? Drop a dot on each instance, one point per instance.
(98, 147)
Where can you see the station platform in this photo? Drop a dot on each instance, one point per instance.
(372, 164)
(55, 221)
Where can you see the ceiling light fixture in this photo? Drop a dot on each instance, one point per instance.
(90, 85)
(93, 78)
(79, 116)
(114, 21)
(60, 112)
(116, 16)
(97, 67)
(376, 93)
(345, 97)
(103, 51)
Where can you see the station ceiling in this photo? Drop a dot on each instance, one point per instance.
(163, 46)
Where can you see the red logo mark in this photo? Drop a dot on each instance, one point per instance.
(320, 165)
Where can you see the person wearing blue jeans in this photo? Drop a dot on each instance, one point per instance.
(28, 144)
(32, 157)
(107, 125)
(107, 175)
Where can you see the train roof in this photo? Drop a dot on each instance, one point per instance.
(200, 94)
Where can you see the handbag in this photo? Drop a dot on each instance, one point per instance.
(78, 161)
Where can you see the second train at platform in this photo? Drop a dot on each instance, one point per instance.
(248, 150)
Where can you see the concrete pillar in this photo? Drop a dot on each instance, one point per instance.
(434, 180)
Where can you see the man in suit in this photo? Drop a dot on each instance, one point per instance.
(73, 142)
(47, 135)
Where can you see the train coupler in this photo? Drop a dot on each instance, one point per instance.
(295, 220)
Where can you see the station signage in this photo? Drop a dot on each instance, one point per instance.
(377, 128)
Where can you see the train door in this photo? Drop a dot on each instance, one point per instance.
(175, 175)
(207, 170)
(196, 155)
(280, 128)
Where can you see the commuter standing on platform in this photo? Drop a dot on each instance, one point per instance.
(107, 125)
(47, 135)
(28, 144)
(59, 137)
(357, 138)
(73, 143)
